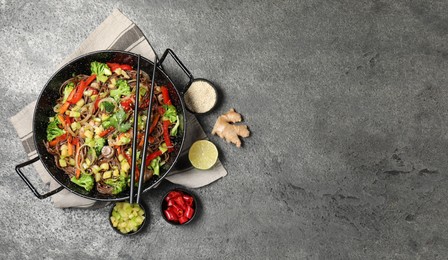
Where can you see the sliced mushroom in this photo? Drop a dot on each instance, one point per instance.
(107, 151)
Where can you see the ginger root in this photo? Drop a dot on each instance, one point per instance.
(225, 128)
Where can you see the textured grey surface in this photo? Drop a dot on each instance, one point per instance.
(347, 103)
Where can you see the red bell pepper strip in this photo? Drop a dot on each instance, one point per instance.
(166, 135)
(65, 106)
(90, 79)
(183, 219)
(78, 94)
(57, 140)
(75, 141)
(154, 123)
(127, 103)
(165, 95)
(107, 131)
(97, 102)
(189, 212)
(152, 156)
(114, 66)
(80, 89)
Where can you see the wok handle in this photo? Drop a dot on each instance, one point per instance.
(28, 183)
(178, 61)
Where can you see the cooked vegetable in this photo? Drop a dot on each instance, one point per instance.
(68, 90)
(101, 70)
(85, 181)
(115, 66)
(230, 132)
(53, 129)
(118, 121)
(123, 89)
(127, 217)
(118, 184)
(107, 106)
(91, 134)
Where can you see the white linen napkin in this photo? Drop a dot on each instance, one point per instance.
(117, 32)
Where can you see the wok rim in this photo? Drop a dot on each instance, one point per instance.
(161, 177)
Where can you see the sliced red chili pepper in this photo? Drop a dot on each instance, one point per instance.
(172, 195)
(188, 200)
(170, 215)
(189, 212)
(166, 135)
(152, 156)
(183, 220)
(170, 203)
(165, 95)
(177, 210)
(180, 202)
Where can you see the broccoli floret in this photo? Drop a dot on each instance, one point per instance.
(53, 130)
(123, 90)
(101, 70)
(118, 184)
(99, 143)
(85, 181)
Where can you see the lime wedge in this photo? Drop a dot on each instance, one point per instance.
(203, 154)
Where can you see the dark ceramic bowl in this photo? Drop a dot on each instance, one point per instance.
(187, 106)
(164, 206)
(142, 226)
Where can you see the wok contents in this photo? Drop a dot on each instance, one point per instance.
(127, 217)
(200, 97)
(90, 134)
(178, 207)
(227, 130)
(203, 154)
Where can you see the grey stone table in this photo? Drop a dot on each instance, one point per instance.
(347, 102)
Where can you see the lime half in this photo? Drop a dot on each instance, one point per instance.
(203, 154)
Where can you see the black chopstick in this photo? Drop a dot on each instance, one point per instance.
(148, 121)
(135, 132)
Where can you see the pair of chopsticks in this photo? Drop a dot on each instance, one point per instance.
(135, 132)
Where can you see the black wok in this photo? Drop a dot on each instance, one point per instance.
(47, 100)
